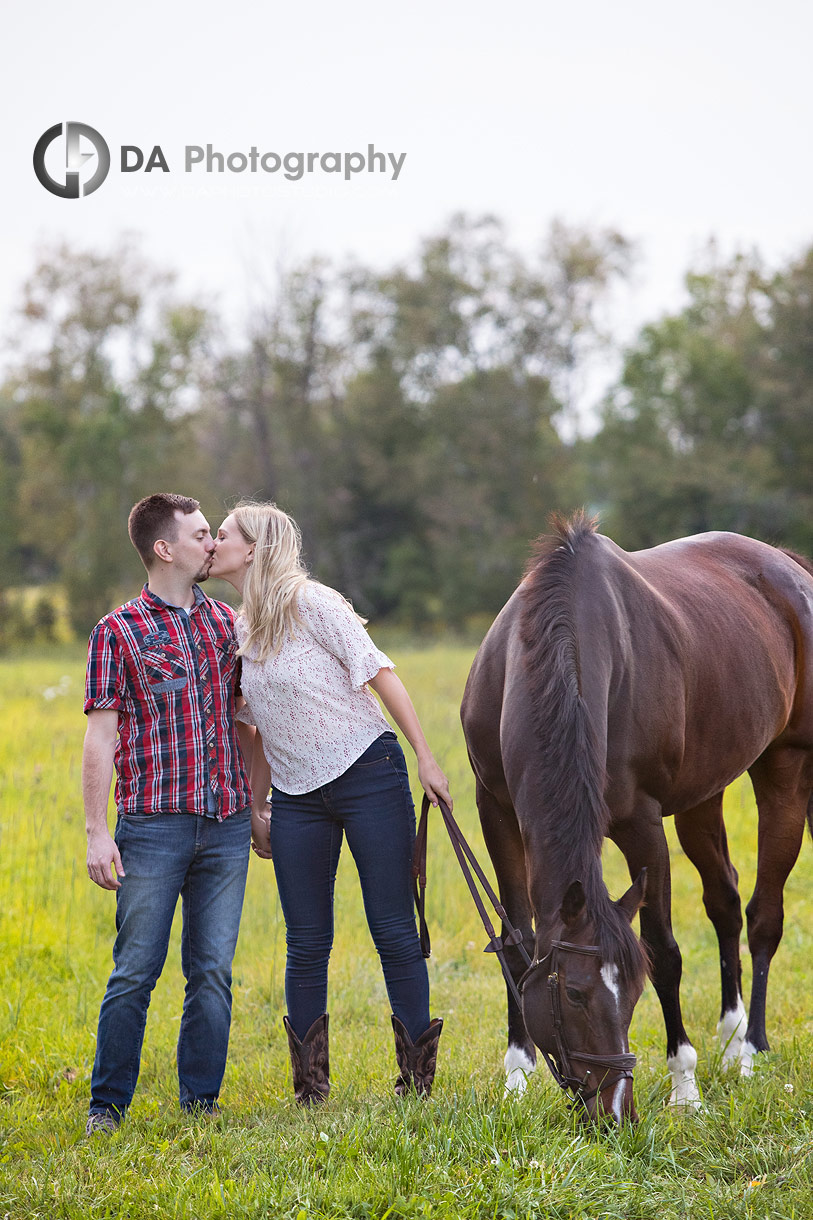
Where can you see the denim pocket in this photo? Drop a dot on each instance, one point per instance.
(378, 751)
(131, 822)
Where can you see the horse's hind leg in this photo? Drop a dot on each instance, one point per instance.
(703, 838)
(782, 783)
(504, 843)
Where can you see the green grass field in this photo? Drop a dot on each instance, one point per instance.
(467, 1152)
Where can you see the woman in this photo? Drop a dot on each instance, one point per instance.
(335, 768)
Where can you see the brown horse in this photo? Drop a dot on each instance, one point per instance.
(614, 690)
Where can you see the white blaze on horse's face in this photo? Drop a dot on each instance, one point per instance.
(617, 1106)
(609, 973)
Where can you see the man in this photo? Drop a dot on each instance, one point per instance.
(160, 702)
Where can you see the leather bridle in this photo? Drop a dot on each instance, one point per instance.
(559, 1060)
(617, 1067)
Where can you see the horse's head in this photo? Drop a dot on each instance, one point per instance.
(578, 1001)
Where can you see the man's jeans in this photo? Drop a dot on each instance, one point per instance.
(371, 804)
(205, 861)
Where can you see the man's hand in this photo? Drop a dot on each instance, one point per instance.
(104, 861)
(97, 772)
(261, 832)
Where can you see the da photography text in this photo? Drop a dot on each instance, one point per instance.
(292, 165)
(72, 160)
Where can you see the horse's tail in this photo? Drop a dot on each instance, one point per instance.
(805, 563)
(570, 764)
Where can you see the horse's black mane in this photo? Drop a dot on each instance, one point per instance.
(571, 774)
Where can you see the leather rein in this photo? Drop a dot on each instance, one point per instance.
(617, 1067)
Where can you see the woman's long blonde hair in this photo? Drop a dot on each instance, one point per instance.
(274, 577)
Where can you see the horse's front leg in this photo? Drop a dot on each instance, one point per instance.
(642, 840)
(505, 848)
(703, 838)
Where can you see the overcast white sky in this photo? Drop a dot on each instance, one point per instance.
(671, 123)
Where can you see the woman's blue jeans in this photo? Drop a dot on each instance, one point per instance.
(205, 861)
(372, 805)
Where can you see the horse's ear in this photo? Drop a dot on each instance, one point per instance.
(572, 904)
(633, 900)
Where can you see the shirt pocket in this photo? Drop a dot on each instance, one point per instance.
(225, 664)
(165, 667)
(227, 656)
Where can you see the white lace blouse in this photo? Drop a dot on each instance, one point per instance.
(311, 702)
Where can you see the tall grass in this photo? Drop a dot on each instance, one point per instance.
(467, 1153)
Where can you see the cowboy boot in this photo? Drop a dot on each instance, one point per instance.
(310, 1062)
(416, 1060)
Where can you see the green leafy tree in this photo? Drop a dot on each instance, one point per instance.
(408, 419)
(784, 364)
(102, 401)
(683, 445)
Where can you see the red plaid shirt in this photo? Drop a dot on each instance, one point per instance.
(172, 678)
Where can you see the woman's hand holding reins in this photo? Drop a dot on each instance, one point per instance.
(434, 782)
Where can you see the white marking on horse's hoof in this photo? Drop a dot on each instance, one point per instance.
(748, 1053)
(518, 1067)
(731, 1032)
(684, 1086)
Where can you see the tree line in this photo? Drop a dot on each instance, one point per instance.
(420, 423)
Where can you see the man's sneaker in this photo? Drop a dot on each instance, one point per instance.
(101, 1121)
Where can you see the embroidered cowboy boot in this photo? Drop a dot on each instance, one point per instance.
(310, 1062)
(416, 1060)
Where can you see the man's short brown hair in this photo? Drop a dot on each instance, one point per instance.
(153, 518)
